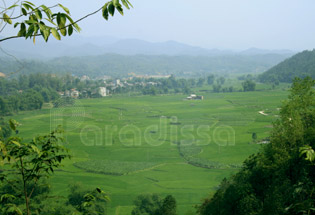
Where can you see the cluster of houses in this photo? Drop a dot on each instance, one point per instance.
(70, 93)
(110, 85)
(102, 91)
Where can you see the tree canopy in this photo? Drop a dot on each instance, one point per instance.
(44, 20)
(280, 178)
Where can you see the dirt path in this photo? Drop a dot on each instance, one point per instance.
(262, 113)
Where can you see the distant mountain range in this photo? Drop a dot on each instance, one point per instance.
(123, 65)
(299, 65)
(81, 46)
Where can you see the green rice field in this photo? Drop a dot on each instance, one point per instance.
(129, 145)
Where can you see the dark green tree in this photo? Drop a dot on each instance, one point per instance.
(88, 202)
(210, 79)
(217, 88)
(249, 85)
(169, 206)
(254, 137)
(147, 204)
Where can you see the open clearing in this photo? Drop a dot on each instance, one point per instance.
(132, 145)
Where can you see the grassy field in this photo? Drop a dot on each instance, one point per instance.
(132, 145)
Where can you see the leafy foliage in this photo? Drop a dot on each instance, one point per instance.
(249, 85)
(153, 204)
(31, 161)
(42, 21)
(88, 202)
(277, 180)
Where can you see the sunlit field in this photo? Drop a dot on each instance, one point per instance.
(129, 145)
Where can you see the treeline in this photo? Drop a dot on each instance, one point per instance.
(27, 92)
(300, 65)
(186, 86)
(120, 66)
(155, 86)
(30, 92)
(280, 179)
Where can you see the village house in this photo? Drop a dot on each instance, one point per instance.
(194, 97)
(102, 91)
(74, 93)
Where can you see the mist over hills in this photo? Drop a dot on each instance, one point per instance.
(99, 56)
(93, 46)
(121, 65)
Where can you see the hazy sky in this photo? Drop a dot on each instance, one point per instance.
(224, 24)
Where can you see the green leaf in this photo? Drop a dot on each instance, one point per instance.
(111, 9)
(64, 8)
(15, 143)
(7, 19)
(15, 5)
(61, 21)
(22, 30)
(30, 31)
(47, 11)
(30, 22)
(35, 149)
(120, 10)
(55, 33)
(30, 3)
(24, 12)
(7, 197)
(28, 6)
(309, 152)
(70, 30)
(44, 31)
(76, 26)
(124, 2)
(16, 24)
(63, 31)
(105, 13)
(116, 3)
(12, 124)
(33, 17)
(128, 2)
(38, 14)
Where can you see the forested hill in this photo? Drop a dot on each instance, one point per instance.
(299, 65)
(120, 65)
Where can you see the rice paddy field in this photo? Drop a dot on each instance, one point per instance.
(129, 145)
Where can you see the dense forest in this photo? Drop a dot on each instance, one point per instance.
(300, 65)
(120, 66)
